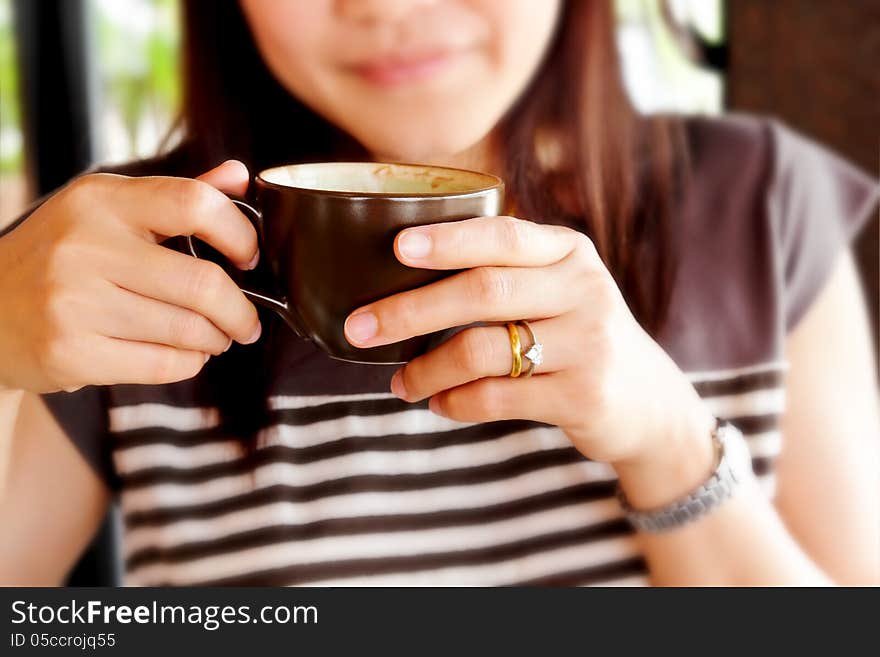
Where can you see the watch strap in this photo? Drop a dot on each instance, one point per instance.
(727, 475)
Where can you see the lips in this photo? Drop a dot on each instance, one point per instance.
(399, 68)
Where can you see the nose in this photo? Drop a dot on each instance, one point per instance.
(376, 11)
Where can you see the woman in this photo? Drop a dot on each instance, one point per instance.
(672, 269)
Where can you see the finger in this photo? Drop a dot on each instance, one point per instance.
(166, 206)
(502, 398)
(483, 241)
(130, 316)
(202, 286)
(116, 361)
(485, 294)
(480, 352)
(231, 177)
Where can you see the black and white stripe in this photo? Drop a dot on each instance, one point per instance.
(365, 489)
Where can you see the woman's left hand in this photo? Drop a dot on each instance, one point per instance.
(603, 381)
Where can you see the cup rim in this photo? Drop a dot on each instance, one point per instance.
(497, 183)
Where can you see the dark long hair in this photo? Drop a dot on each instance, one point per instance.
(613, 173)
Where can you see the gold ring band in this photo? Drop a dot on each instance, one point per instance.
(515, 350)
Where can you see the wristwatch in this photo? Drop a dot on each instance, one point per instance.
(733, 467)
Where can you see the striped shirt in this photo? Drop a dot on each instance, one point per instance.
(348, 485)
(366, 489)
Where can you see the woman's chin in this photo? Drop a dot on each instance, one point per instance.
(435, 151)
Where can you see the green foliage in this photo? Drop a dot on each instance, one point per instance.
(10, 157)
(137, 65)
(140, 67)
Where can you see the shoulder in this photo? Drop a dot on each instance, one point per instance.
(757, 178)
(751, 158)
(726, 208)
(730, 158)
(763, 215)
(739, 135)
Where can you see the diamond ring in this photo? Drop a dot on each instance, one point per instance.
(535, 353)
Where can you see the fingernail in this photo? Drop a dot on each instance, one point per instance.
(254, 261)
(397, 386)
(414, 244)
(207, 356)
(228, 344)
(255, 335)
(361, 326)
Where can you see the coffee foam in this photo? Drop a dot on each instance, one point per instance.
(378, 178)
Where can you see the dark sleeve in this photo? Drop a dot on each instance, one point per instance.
(83, 417)
(818, 203)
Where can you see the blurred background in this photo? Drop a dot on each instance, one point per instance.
(86, 82)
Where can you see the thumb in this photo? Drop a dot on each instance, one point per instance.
(231, 177)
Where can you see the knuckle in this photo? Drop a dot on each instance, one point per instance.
(406, 314)
(103, 181)
(72, 252)
(60, 306)
(186, 328)
(85, 190)
(490, 399)
(54, 357)
(585, 248)
(205, 281)
(472, 351)
(490, 286)
(86, 185)
(512, 233)
(78, 190)
(99, 179)
(59, 239)
(195, 198)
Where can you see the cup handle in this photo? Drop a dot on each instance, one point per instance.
(254, 284)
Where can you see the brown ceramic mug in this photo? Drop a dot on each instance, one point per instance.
(326, 242)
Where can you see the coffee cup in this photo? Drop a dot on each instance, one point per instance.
(326, 235)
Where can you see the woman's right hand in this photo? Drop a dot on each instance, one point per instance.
(89, 296)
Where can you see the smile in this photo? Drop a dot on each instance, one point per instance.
(401, 69)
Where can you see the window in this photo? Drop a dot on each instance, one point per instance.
(137, 71)
(13, 190)
(657, 72)
(133, 49)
